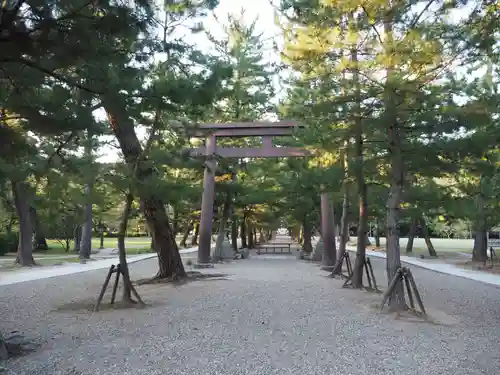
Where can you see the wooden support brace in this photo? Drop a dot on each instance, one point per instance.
(404, 275)
(118, 270)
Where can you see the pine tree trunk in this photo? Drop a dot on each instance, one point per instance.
(329, 258)
(307, 236)
(86, 241)
(243, 233)
(122, 232)
(39, 243)
(194, 239)
(480, 250)
(77, 238)
(101, 235)
(377, 233)
(411, 235)
(20, 191)
(396, 174)
(428, 242)
(234, 232)
(251, 243)
(344, 221)
(357, 277)
(169, 259)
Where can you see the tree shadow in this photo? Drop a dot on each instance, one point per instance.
(177, 281)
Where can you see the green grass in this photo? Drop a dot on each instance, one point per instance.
(57, 247)
(139, 250)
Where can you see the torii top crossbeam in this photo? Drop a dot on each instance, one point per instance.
(264, 129)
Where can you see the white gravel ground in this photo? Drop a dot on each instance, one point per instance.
(272, 315)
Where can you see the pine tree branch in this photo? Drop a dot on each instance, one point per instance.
(55, 75)
(372, 25)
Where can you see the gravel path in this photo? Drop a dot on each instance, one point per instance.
(270, 315)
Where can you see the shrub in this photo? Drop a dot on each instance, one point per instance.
(8, 242)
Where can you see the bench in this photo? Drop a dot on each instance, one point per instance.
(272, 248)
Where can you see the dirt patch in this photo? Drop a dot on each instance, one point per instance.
(380, 249)
(488, 267)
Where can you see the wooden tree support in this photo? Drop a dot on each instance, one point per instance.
(404, 274)
(348, 265)
(370, 276)
(118, 270)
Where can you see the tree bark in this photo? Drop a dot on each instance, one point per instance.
(411, 235)
(344, 220)
(428, 242)
(396, 173)
(101, 235)
(329, 258)
(234, 232)
(77, 238)
(243, 233)
(357, 277)
(194, 239)
(86, 241)
(377, 233)
(480, 250)
(20, 191)
(307, 236)
(169, 259)
(251, 243)
(39, 243)
(122, 232)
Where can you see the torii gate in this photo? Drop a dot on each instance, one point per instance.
(266, 130)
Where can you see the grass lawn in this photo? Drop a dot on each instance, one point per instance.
(57, 247)
(443, 245)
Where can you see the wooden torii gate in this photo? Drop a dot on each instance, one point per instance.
(266, 130)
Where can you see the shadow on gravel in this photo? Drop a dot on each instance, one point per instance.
(88, 306)
(191, 276)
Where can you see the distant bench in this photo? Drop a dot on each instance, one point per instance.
(275, 248)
